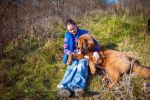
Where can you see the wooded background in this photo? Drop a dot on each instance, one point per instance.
(18, 18)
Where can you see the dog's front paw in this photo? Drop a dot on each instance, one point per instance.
(68, 63)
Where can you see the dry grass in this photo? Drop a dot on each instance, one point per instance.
(32, 67)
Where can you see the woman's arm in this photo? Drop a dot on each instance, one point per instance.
(66, 46)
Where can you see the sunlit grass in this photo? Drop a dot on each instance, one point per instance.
(33, 68)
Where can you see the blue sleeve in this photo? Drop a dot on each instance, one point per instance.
(97, 48)
(66, 45)
(82, 32)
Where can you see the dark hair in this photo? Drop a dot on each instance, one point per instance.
(70, 21)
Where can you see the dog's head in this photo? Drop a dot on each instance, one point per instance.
(85, 45)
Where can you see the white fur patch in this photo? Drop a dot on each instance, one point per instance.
(87, 57)
(79, 52)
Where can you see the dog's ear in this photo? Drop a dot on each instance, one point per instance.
(84, 44)
(90, 45)
(80, 43)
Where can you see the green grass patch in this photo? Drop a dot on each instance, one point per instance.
(31, 68)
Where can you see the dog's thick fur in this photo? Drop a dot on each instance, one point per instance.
(115, 64)
(86, 41)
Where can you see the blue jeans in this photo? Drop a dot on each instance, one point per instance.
(75, 75)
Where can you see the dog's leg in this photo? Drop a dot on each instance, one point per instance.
(115, 76)
(105, 80)
(92, 68)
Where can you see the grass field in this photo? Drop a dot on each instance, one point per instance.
(32, 68)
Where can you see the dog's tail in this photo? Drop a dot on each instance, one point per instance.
(142, 71)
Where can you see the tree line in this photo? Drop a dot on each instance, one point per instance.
(18, 18)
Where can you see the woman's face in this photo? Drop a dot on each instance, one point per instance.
(72, 28)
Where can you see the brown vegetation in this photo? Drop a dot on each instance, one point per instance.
(19, 18)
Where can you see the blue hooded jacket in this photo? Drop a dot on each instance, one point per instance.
(71, 43)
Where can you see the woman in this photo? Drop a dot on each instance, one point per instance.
(75, 78)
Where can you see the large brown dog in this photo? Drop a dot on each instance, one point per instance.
(115, 63)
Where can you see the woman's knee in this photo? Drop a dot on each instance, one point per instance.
(83, 61)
